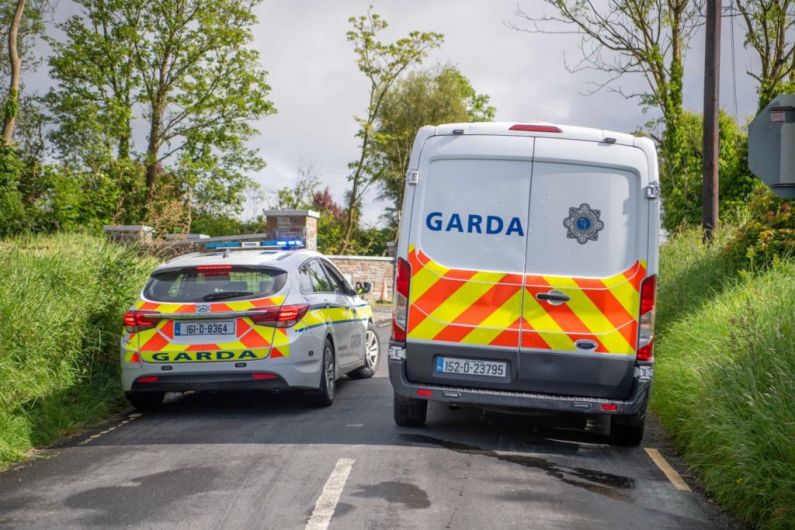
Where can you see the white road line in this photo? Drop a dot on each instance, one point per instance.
(332, 490)
(669, 472)
(93, 437)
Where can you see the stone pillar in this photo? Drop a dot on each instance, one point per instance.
(293, 223)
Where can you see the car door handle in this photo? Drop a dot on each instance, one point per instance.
(553, 297)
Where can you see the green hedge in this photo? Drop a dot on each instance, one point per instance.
(725, 376)
(61, 303)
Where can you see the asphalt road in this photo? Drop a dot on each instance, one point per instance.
(269, 461)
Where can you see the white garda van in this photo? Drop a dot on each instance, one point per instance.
(526, 272)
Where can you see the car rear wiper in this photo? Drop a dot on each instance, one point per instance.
(224, 296)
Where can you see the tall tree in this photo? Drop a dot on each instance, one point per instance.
(768, 30)
(382, 64)
(187, 69)
(97, 82)
(202, 84)
(434, 96)
(632, 37)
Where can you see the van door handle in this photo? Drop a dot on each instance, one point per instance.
(553, 297)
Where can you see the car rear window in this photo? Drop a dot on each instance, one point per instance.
(212, 283)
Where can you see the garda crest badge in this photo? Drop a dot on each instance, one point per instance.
(202, 308)
(583, 224)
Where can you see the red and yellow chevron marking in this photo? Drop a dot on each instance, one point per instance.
(492, 308)
(256, 340)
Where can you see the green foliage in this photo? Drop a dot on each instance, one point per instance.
(225, 225)
(767, 235)
(188, 69)
(428, 97)
(12, 209)
(681, 179)
(725, 375)
(61, 305)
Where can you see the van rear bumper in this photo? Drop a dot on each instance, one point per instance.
(634, 404)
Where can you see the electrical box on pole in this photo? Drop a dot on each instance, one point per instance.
(771, 146)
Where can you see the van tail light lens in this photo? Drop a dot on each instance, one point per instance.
(148, 379)
(279, 317)
(648, 295)
(401, 309)
(136, 321)
(529, 127)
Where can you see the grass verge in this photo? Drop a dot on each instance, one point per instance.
(725, 376)
(61, 305)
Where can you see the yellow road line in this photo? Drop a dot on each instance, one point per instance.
(669, 472)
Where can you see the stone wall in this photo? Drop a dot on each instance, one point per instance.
(378, 271)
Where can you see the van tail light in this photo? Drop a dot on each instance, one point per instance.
(401, 309)
(279, 317)
(648, 295)
(136, 321)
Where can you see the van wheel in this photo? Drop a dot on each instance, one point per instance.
(372, 355)
(324, 396)
(627, 431)
(146, 400)
(410, 412)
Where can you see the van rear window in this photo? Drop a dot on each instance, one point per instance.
(213, 283)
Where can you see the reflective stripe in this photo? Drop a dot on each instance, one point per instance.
(486, 308)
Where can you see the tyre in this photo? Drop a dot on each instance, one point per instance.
(324, 395)
(627, 431)
(410, 412)
(146, 400)
(372, 355)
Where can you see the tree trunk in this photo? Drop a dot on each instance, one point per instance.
(12, 105)
(153, 151)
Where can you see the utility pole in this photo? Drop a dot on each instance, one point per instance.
(709, 197)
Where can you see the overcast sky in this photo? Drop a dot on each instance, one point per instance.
(318, 89)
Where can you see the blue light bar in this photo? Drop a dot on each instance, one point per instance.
(281, 244)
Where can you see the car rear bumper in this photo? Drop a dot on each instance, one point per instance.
(634, 404)
(209, 381)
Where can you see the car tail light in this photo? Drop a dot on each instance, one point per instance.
(609, 407)
(400, 312)
(529, 127)
(648, 295)
(136, 321)
(280, 317)
(149, 379)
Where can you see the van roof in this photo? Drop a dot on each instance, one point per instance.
(569, 132)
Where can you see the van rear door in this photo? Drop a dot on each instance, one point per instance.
(586, 257)
(467, 250)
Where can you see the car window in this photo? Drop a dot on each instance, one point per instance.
(338, 282)
(318, 277)
(207, 284)
(305, 280)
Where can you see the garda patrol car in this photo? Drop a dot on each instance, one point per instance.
(254, 318)
(526, 272)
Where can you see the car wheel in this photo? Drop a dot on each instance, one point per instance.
(410, 412)
(324, 395)
(372, 355)
(146, 400)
